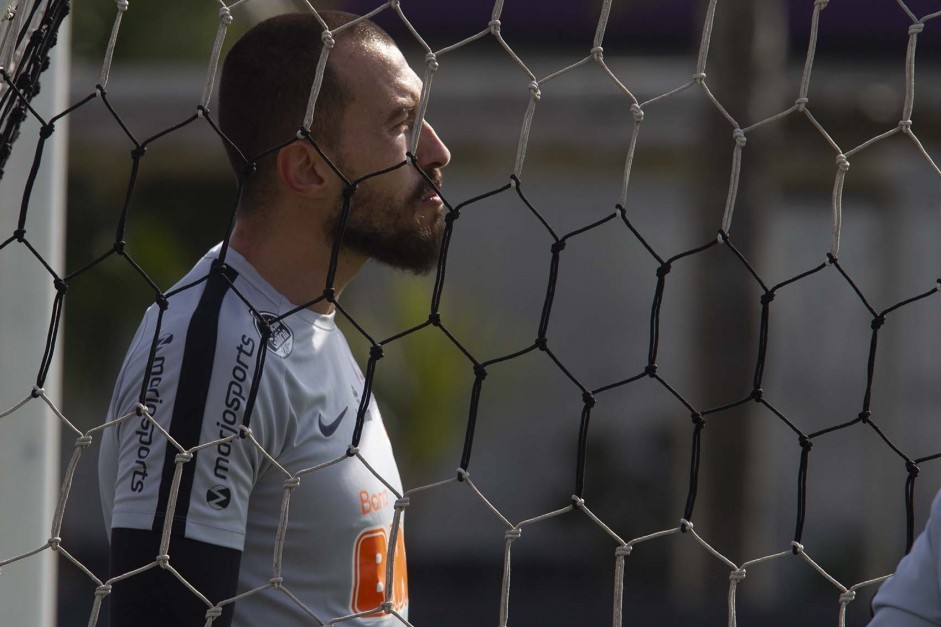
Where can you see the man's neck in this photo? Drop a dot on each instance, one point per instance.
(294, 261)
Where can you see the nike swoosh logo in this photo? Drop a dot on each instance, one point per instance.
(328, 429)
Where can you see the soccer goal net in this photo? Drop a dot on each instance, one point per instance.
(672, 338)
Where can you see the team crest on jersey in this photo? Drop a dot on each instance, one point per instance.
(218, 497)
(281, 340)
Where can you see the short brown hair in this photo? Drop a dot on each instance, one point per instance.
(266, 81)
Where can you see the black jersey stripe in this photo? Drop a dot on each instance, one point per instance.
(189, 405)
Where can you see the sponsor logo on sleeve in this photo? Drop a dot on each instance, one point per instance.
(218, 497)
(281, 339)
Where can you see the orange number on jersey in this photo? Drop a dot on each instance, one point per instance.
(369, 571)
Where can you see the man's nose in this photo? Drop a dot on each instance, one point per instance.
(431, 152)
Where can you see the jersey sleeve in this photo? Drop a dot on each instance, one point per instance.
(912, 596)
(195, 377)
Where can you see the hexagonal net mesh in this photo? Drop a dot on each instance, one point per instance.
(27, 33)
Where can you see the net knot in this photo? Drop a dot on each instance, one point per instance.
(9, 14)
(664, 270)
(480, 372)
(757, 394)
(623, 213)
(182, 458)
(805, 443)
(37, 392)
(821, 3)
(905, 125)
(140, 409)
(452, 215)
(685, 525)
(245, 432)
(650, 370)
(737, 575)
(330, 294)
(514, 181)
(739, 136)
(912, 468)
(877, 322)
(386, 607)
(542, 343)
(352, 451)
(349, 190)
(462, 474)
(578, 501)
(19, 235)
(597, 53)
(122, 5)
(431, 61)
(276, 582)
(722, 237)
(847, 597)
(588, 399)
(375, 352)
(103, 590)
(326, 38)
(864, 417)
(494, 27)
(162, 302)
(697, 419)
(139, 152)
(292, 484)
(402, 503)
(832, 259)
(83, 442)
(637, 112)
(61, 286)
(558, 247)
(513, 534)
(534, 90)
(54, 543)
(916, 28)
(801, 104)
(225, 16)
(796, 547)
(435, 319)
(46, 130)
(842, 162)
(623, 551)
(767, 297)
(163, 560)
(699, 77)
(248, 170)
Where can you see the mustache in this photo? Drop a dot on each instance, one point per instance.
(432, 183)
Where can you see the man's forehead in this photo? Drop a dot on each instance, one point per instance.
(379, 70)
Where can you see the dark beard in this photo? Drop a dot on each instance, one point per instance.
(384, 228)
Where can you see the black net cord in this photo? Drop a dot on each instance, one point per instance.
(912, 469)
(375, 354)
(582, 455)
(480, 373)
(806, 445)
(662, 272)
(53, 333)
(698, 425)
(766, 299)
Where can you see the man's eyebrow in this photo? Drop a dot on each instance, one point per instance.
(403, 107)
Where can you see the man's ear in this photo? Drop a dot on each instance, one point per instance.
(303, 171)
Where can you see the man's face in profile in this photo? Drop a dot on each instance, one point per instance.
(395, 217)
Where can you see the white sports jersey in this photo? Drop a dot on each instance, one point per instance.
(334, 557)
(912, 596)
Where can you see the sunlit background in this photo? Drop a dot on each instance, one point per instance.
(639, 444)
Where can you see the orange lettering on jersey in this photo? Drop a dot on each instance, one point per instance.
(372, 502)
(370, 556)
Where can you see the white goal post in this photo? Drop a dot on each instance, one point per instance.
(29, 448)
